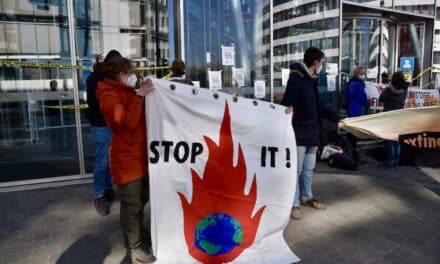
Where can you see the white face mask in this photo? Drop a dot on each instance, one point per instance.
(362, 77)
(131, 81)
(319, 69)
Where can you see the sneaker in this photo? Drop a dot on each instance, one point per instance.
(102, 206)
(295, 214)
(138, 256)
(313, 203)
(109, 194)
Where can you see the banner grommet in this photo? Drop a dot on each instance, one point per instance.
(195, 91)
(255, 102)
(172, 87)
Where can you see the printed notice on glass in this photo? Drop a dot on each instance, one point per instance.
(208, 57)
(284, 76)
(215, 80)
(331, 68)
(331, 83)
(238, 76)
(260, 89)
(228, 56)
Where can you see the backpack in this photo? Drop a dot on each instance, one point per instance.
(343, 96)
(346, 160)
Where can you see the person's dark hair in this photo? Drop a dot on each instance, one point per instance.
(112, 54)
(398, 80)
(385, 78)
(112, 67)
(178, 67)
(311, 55)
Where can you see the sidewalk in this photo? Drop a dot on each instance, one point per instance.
(372, 216)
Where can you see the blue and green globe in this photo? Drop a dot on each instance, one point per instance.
(218, 234)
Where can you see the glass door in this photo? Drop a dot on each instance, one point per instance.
(410, 43)
(360, 45)
(370, 43)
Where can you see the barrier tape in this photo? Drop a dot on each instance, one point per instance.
(71, 106)
(22, 64)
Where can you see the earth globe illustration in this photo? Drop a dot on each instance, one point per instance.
(218, 234)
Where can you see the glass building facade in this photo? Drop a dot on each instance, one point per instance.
(44, 131)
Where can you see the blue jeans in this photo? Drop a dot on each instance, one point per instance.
(102, 178)
(306, 156)
(393, 153)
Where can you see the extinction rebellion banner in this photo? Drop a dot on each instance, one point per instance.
(222, 176)
(398, 123)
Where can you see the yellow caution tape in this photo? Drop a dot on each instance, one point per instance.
(22, 64)
(71, 106)
(166, 77)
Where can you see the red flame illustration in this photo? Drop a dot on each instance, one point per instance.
(221, 191)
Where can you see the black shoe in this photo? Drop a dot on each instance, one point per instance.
(102, 206)
(109, 194)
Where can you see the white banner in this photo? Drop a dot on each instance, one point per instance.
(221, 182)
(228, 56)
(215, 80)
(422, 97)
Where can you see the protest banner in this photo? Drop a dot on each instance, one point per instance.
(390, 125)
(221, 182)
(422, 97)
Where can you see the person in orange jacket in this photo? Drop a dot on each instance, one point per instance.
(123, 108)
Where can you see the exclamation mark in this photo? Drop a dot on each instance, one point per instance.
(287, 157)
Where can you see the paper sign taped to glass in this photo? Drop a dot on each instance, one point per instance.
(213, 167)
(390, 125)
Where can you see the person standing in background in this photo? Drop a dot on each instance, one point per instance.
(102, 179)
(358, 101)
(393, 98)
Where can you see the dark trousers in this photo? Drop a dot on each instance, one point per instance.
(393, 153)
(353, 141)
(134, 196)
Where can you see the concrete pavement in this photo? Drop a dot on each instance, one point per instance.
(372, 216)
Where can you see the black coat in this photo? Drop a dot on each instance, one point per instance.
(393, 98)
(95, 116)
(303, 95)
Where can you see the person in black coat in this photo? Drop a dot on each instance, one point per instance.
(393, 98)
(302, 98)
(102, 180)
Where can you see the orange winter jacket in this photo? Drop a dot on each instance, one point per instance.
(124, 113)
